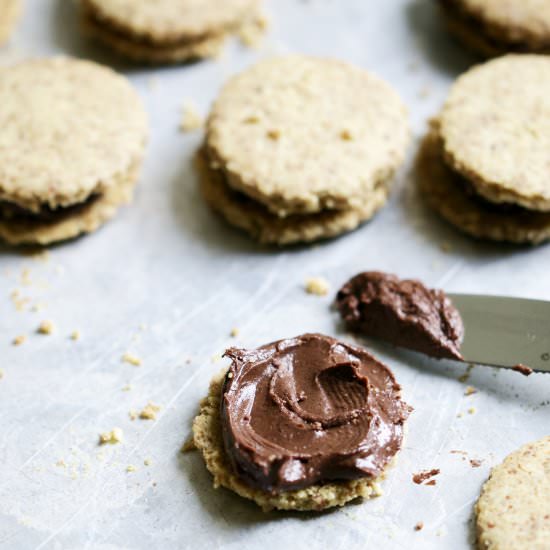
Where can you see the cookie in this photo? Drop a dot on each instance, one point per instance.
(71, 146)
(513, 511)
(166, 31)
(304, 135)
(446, 192)
(495, 27)
(207, 435)
(253, 217)
(9, 12)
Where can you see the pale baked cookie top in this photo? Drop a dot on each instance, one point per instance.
(304, 134)
(516, 20)
(495, 129)
(173, 20)
(69, 129)
(513, 511)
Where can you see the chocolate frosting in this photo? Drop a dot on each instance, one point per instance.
(404, 312)
(308, 410)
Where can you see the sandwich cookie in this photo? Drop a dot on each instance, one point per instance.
(9, 12)
(306, 423)
(495, 27)
(300, 148)
(484, 163)
(167, 31)
(71, 148)
(513, 511)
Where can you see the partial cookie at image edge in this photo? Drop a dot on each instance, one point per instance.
(208, 440)
(9, 16)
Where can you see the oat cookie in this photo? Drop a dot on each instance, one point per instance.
(445, 192)
(208, 440)
(9, 12)
(493, 27)
(72, 142)
(268, 228)
(513, 511)
(303, 135)
(495, 130)
(166, 31)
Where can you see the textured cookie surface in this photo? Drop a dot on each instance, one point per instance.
(9, 11)
(69, 129)
(208, 439)
(254, 218)
(495, 128)
(513, 511)
(304, 134)
(445, 193)
(172, 20)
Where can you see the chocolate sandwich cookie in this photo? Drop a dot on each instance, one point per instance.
(497, 27)
(167, 31)
(9, 12)
(513, 511)
(71, 147)
(403, 312)
(300, 148)
(483, 165)
(306, 423)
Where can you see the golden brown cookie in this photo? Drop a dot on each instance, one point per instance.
(208, 440)
(72, 142)
(513, 511)
(9, 12)
(302, 135)
(166, 31)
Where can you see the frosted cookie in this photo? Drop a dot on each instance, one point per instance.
(303, 135)
(9, 12)
(513, 511)
(268, 228)
(290, 447)
(448, 194)
(71, 146)
(166, 31)
(495, 27)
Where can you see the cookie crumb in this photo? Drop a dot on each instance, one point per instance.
(419, 526)
(131, 359)
(317, 286)
(274, 135)
(131, 468)
(470, 390)
(345, 135)
(46, 327)
(149, 412)
(475, 462)
(523, 369)
(251, 33)
(191, 119)
(61, 463)
(19, 340)
(75, 335)
(234, 332)
(114, 436)
(147, 462)
(464, 377)
(133, 414)
(127, 387)
(472, 410)
(425, 475)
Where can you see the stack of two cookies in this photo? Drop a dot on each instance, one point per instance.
(299, 149)
(485, 164)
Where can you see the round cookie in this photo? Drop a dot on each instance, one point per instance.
(9, 12)
(166, 31)
(72, 142)
(209, 441)
(495, 130)
(268, 228)
(502, 25)
(445, 193)
(302, 135)
(513, 511)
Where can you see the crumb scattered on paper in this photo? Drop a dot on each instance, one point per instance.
(75, 335)
(149, 412)
(191, 119)
(234, 332)
(523, 369)
(133, 414)
(475, 462)
(147, 462)
(464, 377)
(317, 286)
(419, 526)
(472, 410)
(251, 33)
(423, 477)
(19, 340)
(131, 359)
(131, 468)
(470, 390)
(46, 327)
(127, 387)
(116, 435)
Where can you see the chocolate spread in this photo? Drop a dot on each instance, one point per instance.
(403, 312)
(309, 410)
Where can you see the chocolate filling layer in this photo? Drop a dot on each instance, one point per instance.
(309, 410)
(403, 312)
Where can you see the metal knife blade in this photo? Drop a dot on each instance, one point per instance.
(505, 332)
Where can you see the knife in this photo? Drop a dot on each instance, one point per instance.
(505, 332)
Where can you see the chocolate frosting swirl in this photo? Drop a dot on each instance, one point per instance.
(308, 410)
